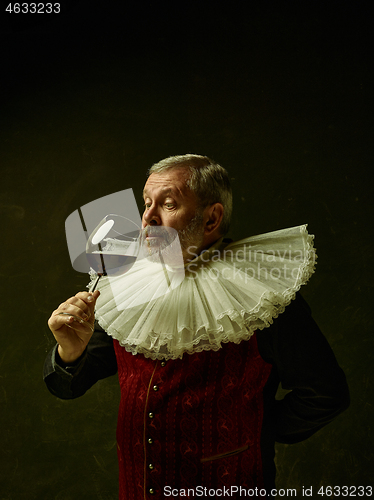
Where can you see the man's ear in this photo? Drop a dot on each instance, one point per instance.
(213, 217)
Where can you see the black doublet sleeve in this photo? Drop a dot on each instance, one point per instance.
(305, 365)
(71, 381)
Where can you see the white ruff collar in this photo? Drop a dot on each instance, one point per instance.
(226, 294)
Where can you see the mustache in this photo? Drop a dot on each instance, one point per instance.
(167, 233)
(154, 231)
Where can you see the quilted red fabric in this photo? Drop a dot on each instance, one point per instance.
(190, 422)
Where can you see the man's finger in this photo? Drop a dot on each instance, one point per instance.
(88, 297)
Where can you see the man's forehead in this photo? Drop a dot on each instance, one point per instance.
(163, 190)
(165, 183)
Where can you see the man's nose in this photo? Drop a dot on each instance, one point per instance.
(151, 217)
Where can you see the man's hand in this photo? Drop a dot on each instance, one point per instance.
(73, 329)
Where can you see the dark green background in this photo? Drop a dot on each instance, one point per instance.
(277, 92)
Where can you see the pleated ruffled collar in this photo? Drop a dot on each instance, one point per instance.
(223, 295)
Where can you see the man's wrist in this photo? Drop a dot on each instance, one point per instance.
(68, 358)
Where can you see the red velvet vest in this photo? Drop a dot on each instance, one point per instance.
(190, 422)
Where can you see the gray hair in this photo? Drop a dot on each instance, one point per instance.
(208, 181)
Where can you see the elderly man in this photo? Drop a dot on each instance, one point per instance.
(198, 414)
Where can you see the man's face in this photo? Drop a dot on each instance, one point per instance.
(169, 203)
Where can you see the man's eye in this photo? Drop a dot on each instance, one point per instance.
(146, 206)
(169, 205)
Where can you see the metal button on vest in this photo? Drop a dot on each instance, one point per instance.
(151, 466)
(151, 415)
(150, 441)
(155, 387)
(151, 491)
(163, 363)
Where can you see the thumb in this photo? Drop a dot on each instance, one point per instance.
(91, 300)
